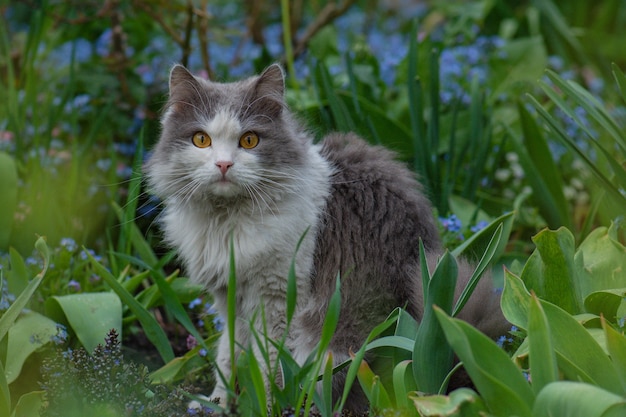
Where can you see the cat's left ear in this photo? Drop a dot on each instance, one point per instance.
(270, 89)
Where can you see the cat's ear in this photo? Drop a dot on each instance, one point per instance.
(269, 90)
(180, 76)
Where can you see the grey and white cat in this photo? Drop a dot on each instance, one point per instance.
(232, 159)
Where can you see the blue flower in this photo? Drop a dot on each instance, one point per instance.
(195, 302)
(74, 285)
(68, 244)
(479, 226)
(451, 224)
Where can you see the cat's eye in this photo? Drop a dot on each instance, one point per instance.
(201, 140)
(249, 140)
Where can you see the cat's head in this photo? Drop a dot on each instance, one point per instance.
(225, 142)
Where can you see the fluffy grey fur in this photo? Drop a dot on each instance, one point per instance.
(364, 212)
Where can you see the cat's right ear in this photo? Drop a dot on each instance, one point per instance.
(179, 76)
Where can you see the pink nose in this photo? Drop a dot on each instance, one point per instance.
(223, 166)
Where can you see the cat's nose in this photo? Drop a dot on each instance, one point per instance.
(223, 166)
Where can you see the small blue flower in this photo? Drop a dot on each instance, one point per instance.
(479, 226)
(202, 352)
(74, 285)
(451, 224)
(195, 302)
(68, 244)
(61, 336)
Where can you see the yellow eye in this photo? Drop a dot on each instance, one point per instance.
(249, 140)
(201, 140)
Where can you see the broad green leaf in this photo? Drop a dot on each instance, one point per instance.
(406, 326)
(151, 327)
(8, 196)
(616, 344)
(459, 403)
(432, 357)
(605, 302)
(9, 316)
(551, 271)
(515, 300)
(604, 258)
(499, 382)
(30, 332)
(90, 315)
(579, 356)
(29, 404)
(543, 366)
(577, 399)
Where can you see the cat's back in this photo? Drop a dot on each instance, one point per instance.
(373, 220)
(371, 186)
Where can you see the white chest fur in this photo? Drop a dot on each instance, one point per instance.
(264, 238)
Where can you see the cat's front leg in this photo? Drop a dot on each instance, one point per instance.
(223, 369)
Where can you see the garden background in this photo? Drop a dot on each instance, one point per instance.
(512, 113)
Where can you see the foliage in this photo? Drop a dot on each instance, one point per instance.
(451, 87)
(78, 383)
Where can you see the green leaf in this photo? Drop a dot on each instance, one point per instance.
(605, 303)
(373, 388)
(552, 272)
(30, 332)
(8, 196)
(151, 327)
(543, 366)
(18, 275)
(604, 259)
(460, 402)
(402, 384)
(541, 171)
(9, 316)
(90, 315)
(432, 357)
(292, 293)
(579, 355)
(500, 383)
(620, 78)
(5, 394)
(576, 399)
(475, 247)
(515, 300)
(480, 268)
(331, 319)
(616, 344)
(29, 404)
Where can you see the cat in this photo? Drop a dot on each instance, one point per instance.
(233, 161)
